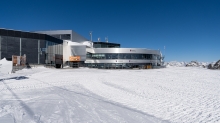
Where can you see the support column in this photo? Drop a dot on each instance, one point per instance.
(20, 46)
(38, 52)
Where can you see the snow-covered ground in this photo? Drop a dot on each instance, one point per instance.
(5, 66)
(173, 94)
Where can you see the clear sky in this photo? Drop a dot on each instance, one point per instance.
(189, 29)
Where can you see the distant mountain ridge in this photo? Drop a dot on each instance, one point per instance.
(209, 65)
(187, 64)
(214, 65)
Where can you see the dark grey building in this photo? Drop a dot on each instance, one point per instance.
(33, 45)
(105, 45)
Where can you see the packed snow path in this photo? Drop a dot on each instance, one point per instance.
(175, 94)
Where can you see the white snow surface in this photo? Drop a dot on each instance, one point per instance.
(5, 66)
(173, 94)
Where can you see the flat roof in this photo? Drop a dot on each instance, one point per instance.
(106, 43)
(31, 35)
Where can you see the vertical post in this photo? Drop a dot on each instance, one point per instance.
(164, 53)
(20, 46)
(38, 51)
(0, 47)
(164, 50)
(90, 33)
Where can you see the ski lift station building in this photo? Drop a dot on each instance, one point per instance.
(68, 48)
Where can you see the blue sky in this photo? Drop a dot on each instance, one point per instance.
(190, 29)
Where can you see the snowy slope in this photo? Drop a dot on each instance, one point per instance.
(174, 94)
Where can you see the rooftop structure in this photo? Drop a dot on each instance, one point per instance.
(65, 35)
(105, 45)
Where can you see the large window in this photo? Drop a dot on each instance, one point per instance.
(97, 56)
(62, 36)
(89, 55)
(136, 56)
(105, 45)
(57, 36)
(126, 56)
(65, 37)
(148, 56)
(114, 56)
(111, 56)
(108, 56)
(122, 56)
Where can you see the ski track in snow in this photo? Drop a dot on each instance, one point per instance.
(174, 94)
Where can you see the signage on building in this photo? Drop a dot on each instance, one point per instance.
(132, 50)
(74, 58)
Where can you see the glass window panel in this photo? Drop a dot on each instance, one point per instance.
(3, 44)
(108, 56)
(139, 56)
(120, 56)
(134, 56)
(127, 56)
(114, 56)
(56, 36)
(65, 36)
(142, 56)
(88, 55)
(149, 56)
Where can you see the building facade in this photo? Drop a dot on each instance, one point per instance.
(65, 47)
(122, 57)
(33, 45)
(110, 55)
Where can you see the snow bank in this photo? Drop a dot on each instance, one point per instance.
(5, 66)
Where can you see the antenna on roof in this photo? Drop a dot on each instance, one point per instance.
(90, 33)
(164, 50)
(99, 39)
(106, 39)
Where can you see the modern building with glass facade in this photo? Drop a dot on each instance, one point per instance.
(58, 48)
(33, 45)
(122, 58)
(110, 55)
